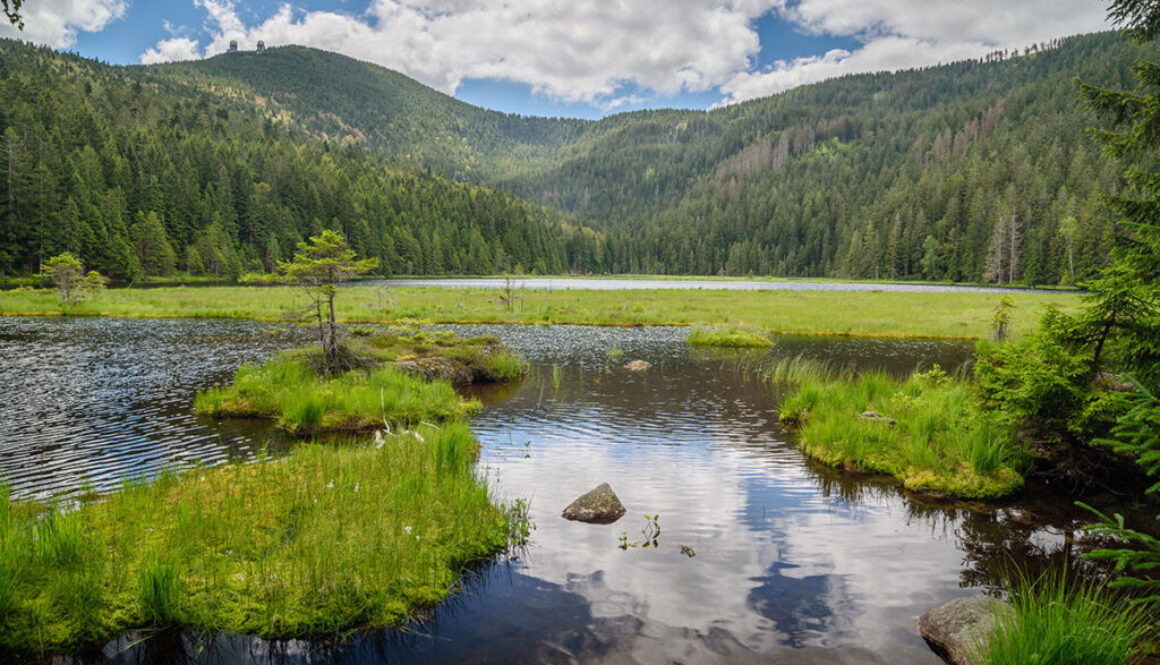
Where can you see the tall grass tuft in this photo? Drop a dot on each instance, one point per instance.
(159, 593)
(928, 431)
(1058, 621)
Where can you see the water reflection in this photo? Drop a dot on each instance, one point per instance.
(794, 562)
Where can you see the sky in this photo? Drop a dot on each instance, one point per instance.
(577, 58)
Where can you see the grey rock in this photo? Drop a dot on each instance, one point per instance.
(955, 630)
(638, 366)
(600, 506)
(874, 415)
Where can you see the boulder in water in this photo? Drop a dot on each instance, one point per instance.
(953, 630)
(600, 506)
(638, 366)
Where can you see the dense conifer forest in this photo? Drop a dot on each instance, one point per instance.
(140, 181)
(972, 171)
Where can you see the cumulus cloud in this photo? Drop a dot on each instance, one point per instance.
(593, 50)
(572, 50)
(172, 50)
(56, 22)
(899, 34)
(881, 54)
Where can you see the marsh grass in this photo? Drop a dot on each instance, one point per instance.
(1060, 621)
(932, 435)
(729, 338)
(934, 315)
(289, 390)
(326, 540)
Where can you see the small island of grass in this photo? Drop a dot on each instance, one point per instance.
(927, 431)
(728, 338)
(377, 389)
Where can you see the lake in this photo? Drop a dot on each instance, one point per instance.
(792, 562)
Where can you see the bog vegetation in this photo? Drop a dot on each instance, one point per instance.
(326, 540)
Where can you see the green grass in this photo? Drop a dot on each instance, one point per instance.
(940, 440)
(326, 540)
(733, 338)
(1056, 621)
(289, 391)
(864, 314)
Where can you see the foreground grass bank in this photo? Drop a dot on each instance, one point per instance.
(325, 540)
(927, 431)
(870, 314)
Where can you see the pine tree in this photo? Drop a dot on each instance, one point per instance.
(319, 266)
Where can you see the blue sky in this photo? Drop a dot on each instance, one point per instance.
(585, 58)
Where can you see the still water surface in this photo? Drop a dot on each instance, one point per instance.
(793, 564)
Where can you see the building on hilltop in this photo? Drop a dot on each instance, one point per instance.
(261, 46)
(233, 46)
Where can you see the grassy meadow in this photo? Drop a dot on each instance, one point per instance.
(863, 314)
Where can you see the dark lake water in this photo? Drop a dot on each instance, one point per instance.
(596, 284)
(793, 563)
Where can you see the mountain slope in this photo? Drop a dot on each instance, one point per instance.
(139, 178)
(925, 173)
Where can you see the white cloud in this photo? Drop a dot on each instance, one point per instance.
(899, 34)
(592, 50)
(880, 54)
(172, 50)
(56, 22)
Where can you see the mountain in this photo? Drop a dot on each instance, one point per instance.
(972, 171)
(141, 177)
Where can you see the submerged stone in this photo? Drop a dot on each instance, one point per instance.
(956, 629)
(638, 366)
(600, 506)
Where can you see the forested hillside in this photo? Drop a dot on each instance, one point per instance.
(973, 171)
(139, 179)
(977, 171)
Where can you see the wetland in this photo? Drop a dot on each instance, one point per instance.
(792, 560)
